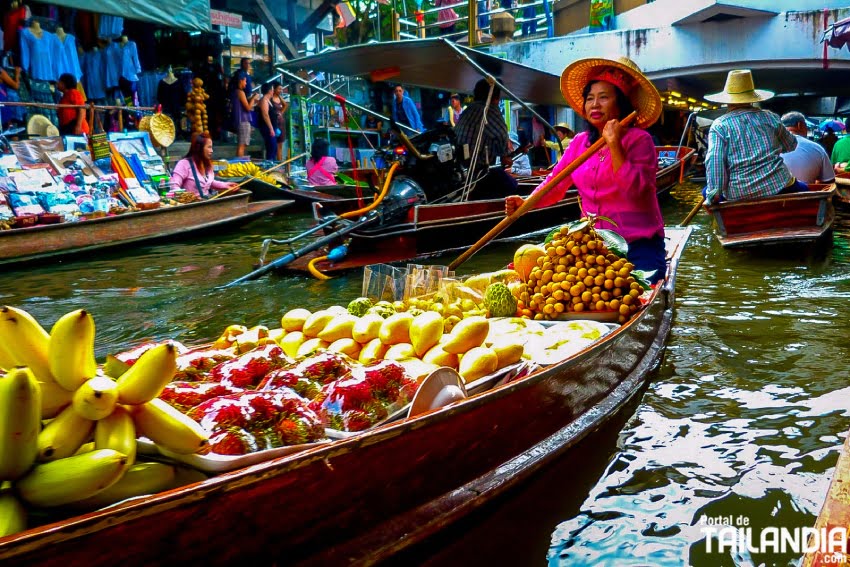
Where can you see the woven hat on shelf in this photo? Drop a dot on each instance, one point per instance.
(39, 126)
(162, 129)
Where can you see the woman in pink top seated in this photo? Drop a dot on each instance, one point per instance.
(618, 181)
(196, 169)
(321, 167)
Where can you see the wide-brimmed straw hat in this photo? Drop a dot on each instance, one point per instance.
(440, 388)
(621, 72)
(39, 126)
(740, 89)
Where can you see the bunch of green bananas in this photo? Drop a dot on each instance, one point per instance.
(56, 376)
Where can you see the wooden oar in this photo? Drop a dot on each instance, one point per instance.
(252, 177)
(692, 214)
(535, 197)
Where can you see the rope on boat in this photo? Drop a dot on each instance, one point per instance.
(467, 187)
(314, 271)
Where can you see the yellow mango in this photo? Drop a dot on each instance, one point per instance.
(478, 362)
(316, 323)
(348, 347)
(372, 351)
(291, 342)
(367, 328)
(508, 353)
(425, 331)
(396, 329)
(440, 357)
(294, 319)
(467, 334)
(277, 334)
(338, 328)
(309, 346)
(399, 351)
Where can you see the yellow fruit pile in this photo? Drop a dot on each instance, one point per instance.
(196, 108)
(83, 455)
(578, 273)
(419, 342)
(246, 169)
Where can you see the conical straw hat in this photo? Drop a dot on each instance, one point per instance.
(740, 89)
(39, 126)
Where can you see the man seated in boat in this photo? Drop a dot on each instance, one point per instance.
(809, 162)
(490, 182)
(744, 146)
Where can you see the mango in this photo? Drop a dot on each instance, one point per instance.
(440, 357)
(477, 362)
(508, 353)
(372, 351)
(467, 334)
(349, 347)
(396, 329)
(339, 327)
(316, 323)
(425, 331)
(367, 328)
(399, 351)
(291, 342)
(310, 346)
(277, 334)
(294, 319)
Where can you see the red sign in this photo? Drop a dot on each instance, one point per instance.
(226, 19)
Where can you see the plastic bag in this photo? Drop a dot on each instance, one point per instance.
(382, 282)
(25, 204)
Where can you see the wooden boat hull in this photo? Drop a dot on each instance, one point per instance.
(835, 513)
(432, 230)
(51, 241)
(842, 190)
(794, 218)
(667, 177)
(368, 496)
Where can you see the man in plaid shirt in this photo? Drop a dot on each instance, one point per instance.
(744, 146)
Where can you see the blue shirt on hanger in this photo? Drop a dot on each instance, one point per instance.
(67, 60)
(110, 27)
(38, 53)
(112, 69)
(94, 81)
(130, 66)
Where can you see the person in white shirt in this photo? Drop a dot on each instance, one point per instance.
(521, 165)
(809, 162)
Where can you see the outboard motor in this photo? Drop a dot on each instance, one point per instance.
(404, 193)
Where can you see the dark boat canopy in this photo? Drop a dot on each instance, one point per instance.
(434, 64)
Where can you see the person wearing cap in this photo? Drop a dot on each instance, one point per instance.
(744, 158)
(564, 134)
(808, 162)
(618, 181)
(521, 165)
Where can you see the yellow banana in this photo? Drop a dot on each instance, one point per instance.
(148, 376)
(117, 431)
(25, 340)
(140, 479)
(96, 398)
(20, 422)
(86, 447)
(168, 427)
(54, 398)
(71, 350)
(13, 516)
(63, 435)
(7, 361)
(72, 478)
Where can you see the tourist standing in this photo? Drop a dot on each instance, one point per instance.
(404, 110)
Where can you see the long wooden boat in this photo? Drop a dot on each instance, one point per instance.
(842, 189)
(364, 498)
(680, 159)
(430, 230)
(43, 242)
(835, 514)
(793, 218)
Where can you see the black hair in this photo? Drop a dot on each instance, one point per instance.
(276, 84)
(455, 95)
(624, 105)
(68, 80)
(265, 88)
(319, 149)
(829, 130)
(482, 88)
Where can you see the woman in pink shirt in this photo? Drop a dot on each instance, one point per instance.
(618, 182)
(196, 169)
(320, 166)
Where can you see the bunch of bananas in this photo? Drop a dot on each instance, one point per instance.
(246, 169)
(86, 453)
(6, 224)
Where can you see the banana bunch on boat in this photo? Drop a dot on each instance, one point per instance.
(246, 169)
(67, 430)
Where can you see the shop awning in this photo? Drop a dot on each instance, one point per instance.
(180, 14)
(434, 64)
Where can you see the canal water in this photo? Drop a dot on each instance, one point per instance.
(742, 421)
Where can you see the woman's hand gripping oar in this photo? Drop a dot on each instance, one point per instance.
(535, 197)
(252, 177)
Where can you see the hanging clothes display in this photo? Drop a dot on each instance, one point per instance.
(68, 61)
(94, 67)
(110, 27)
(172, 97)
(13, 22)
(148, 84)
(39, 54)
(112, 70)
(130, 66)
